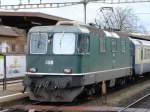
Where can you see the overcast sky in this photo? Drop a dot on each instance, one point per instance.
(76, 12)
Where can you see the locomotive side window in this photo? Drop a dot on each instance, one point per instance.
(83, 44)
(114, 45)
(38, 43)
(123, 45)
(64, 43)
(102, 44)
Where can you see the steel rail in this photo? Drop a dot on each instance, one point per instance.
(135, 102)
(45, 5)
(6, 110)
(12, 82)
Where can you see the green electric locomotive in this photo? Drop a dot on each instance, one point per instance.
(69, 59)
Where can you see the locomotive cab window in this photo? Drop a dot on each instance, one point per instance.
(64, 43)
(83, 44)
(38, 43)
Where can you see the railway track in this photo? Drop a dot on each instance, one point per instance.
(143, 102)
(45, 107)
(60, 107)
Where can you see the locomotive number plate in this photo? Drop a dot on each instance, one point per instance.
(49, 62)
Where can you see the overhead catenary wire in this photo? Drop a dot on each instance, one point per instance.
(143, 13)
(50, 4)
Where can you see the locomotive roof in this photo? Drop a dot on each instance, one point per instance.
(87, 29)
(134, 35)
(138, 42)
(73, 29)
(56, 28)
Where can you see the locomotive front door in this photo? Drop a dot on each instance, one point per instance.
(83, 50)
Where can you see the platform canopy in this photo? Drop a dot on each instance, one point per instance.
(26, 20)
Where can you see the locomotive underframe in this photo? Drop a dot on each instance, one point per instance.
(65, 88)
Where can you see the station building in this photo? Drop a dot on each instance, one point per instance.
(12, 40)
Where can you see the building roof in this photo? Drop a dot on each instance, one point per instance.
(31, 14)
(26, 20)
(10, 31)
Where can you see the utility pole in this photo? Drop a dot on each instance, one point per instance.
(85, 4)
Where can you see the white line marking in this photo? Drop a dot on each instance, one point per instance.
(88, 73)
(13, 97)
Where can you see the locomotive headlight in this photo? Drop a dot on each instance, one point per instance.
(33, 70)
(68, 70)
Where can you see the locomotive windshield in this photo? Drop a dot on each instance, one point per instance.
(38, 43)
(64, 43)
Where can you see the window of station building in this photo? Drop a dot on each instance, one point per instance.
(123, 45)
(102, 44)
(13, 47)
(21, 48)
(25, 48)
(83, 44)
(114, 45)
(146, 53)
(0, 46)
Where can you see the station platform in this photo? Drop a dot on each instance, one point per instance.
(12, 87)
(13, 91)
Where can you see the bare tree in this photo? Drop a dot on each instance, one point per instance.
(123, 19)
